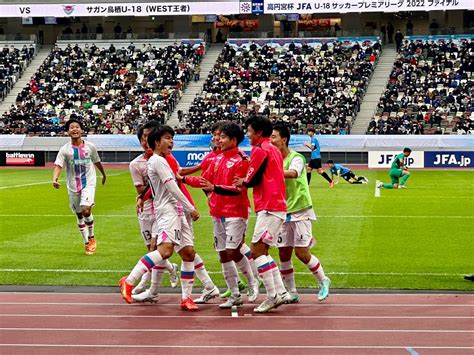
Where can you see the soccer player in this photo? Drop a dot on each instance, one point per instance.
(398, 170)
(315, 162)
(346, 173)
(296, 232)
(146, 217)
(79, 157)
(173, 229)
(265, 175)
(229, 207)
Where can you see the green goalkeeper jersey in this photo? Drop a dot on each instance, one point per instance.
(396, 164)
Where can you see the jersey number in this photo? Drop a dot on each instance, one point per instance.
(147, 235)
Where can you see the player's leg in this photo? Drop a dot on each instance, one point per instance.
(352, 178)
(75, 205)
(87, 202)
(187, 255)
(146, 224)
(405, 176)
(245, 251)
(308, 172)
(319, 168)
(285, 250)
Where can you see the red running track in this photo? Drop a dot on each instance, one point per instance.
(65, 323)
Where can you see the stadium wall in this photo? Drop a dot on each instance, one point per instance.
(429, 151)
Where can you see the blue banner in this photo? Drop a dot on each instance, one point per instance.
(449, 159)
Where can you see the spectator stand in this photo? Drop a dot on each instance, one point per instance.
(430, 88)
(307, 82)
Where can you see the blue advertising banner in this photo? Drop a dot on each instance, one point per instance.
(449, 159)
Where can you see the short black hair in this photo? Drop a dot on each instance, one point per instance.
(260, 124)
(218, 126)
(71, 121)
(233, 130)
(147, 125)
(330, 161)
(406, 150)
(157, 133)
(284, 132)
(311, 129)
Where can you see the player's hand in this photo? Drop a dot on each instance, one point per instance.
(195, 215)
(206, 185)
(139, 205)
(238, 181)
(104, 178)
(178, 176)
(56, 184)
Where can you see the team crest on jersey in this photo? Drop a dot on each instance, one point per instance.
(229, 164)
(68, 9)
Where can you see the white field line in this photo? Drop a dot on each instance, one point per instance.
(99, 271)
(146, 330)
(138, 346)
(43, 183)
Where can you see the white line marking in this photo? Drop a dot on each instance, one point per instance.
(236, 346)
(148, 330)
(220, 317)
(100, 271)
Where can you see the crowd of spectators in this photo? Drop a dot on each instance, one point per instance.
(111, 90)
(13, 61)
(430, 90)
(317, 85)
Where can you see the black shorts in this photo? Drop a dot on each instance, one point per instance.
(315, 163)
(348, 176)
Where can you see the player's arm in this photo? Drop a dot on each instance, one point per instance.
(224, 189)
(190, 170)
(102, 171)
(338, 176)
(258, 163)
(56, 174)
(295, 169)
(96, 160)
(310, 145)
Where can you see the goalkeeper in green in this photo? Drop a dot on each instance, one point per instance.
(398, 170)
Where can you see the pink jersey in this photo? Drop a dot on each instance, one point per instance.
(209, 158)
(266, 177)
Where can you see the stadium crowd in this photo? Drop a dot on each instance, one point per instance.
(429, 91)
(319, 85)
(111, 90)
(13, 61)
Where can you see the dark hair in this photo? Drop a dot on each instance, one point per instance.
(233, 130)
(260, 124)
(284, 132)
(406, 150)
(330, 161)
(147, 125)
(311, 129)
(71, 121)
(156, 134)
(218, 126)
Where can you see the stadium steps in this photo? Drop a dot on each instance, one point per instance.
(375, 89)
(195, 87)
(25, 79)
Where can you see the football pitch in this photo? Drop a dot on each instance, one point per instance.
(418, 238)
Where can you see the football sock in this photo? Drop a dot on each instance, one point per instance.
(387, 186)
(357, 182)
(145, 278)
(279, 286)
(316, 268)
(201, 272)
(245, 250)
(288, 275)
(360, 178)
(145, 264)
(404, 179)
(187, 278)
(83, 229)
(90, 225)
(326, 176)
(156, 276)
(231, 277)
(244, 267)
(168, 266)
(308, 177)
(265, 272)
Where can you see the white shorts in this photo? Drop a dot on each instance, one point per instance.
(229, 232)
(295, 234)
(174, 228)
(146, 222)
(267, 226)
(79, 199)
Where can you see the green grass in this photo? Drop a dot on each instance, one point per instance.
(418, 238)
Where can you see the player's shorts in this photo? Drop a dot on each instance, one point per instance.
(146, 222)
(348, 176)
(315, 163)
(267, 226)
(85, 198)
(297, 234)
(174, 228)
(395, 174)
(228, 232)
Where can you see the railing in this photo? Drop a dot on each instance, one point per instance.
(17, 37)
(131, 36)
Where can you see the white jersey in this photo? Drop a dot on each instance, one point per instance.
(139, 171)
(162, 180)
(79, 162)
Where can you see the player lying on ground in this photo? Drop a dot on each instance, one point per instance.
(347, 174)
(173, 213)
(146, 218)
(229, 208)
(265, 175)
(81, 159)
(296, 233)
(398, 170)
(203, 166)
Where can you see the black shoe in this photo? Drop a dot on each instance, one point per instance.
(469, 277)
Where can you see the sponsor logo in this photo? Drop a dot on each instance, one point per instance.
(20, 158)
(384, 159)
(449, 159)
(68, 9)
